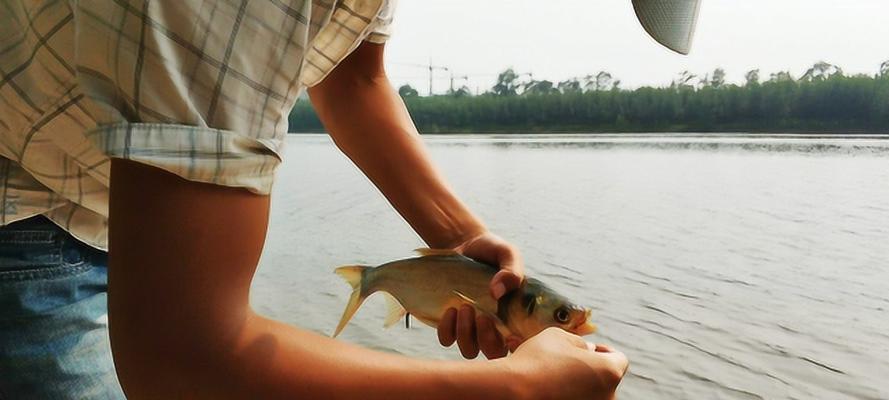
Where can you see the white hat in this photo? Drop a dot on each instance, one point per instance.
(670, 22)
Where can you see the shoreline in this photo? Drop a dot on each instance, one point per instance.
(638, 135)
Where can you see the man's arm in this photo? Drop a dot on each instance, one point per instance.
(369, 122)
(182, 257)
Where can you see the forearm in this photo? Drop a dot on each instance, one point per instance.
(270, 360)
(370, 124)
(306, 365)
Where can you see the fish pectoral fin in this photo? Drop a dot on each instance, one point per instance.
(464, 298)
(423, 251)
(394, 310)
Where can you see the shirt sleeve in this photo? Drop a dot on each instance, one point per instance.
(381, 28)
(200, 154)
(353, 22)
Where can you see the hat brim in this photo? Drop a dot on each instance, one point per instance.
(671, 23)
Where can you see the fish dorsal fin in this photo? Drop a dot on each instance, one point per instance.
(394, 310)
(424, 252)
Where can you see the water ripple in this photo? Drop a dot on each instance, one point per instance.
(725, 267)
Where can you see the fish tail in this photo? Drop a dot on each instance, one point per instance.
(354, 274)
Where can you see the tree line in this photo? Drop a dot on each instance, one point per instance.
(824, 99)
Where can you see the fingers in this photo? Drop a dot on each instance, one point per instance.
(619, 361)
(513, 343)
(447, 327)
(601, 348)
(512, 270)
(466, 335)
(509, 259)
(618, 358)
(573, 339)
(489, 340)
(471, 334)
(492, 249)
(505, 281)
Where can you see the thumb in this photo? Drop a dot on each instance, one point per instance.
(505, 281)
(511, 273)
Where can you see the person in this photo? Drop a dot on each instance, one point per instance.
(153, 129)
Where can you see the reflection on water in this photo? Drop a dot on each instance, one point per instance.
(726, 267)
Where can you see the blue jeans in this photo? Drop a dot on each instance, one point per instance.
(53, 316)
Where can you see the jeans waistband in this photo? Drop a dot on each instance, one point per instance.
(34, 230)
(37, 246)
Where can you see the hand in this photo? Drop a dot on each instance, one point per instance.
(557, 364)
(473, 333)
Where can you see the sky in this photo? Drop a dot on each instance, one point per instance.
(560, 39)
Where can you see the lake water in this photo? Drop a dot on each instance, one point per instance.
(724, 267)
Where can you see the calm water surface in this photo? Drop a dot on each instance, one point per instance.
(729, 267)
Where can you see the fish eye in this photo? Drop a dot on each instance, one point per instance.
(561, 315)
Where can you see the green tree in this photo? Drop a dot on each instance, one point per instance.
(570, 86)
(826, 100)
(600, 82)
(752, 77)
(507, 83)
(781, 76)
(717, 80)
(821, 71)
(462, 91)
(406, 91)
(684, 80)
(539, 87)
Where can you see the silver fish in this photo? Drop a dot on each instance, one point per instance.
(427, 286)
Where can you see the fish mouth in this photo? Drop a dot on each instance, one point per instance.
(584, 328)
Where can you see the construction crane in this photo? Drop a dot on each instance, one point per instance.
(431, 68)
(464, 78)
(453, 77)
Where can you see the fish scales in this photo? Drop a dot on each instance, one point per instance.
(427, 286)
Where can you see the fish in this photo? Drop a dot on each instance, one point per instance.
(425, 287)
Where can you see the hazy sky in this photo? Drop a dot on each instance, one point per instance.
(559, 39)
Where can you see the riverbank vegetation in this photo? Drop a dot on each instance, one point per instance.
(823, 100)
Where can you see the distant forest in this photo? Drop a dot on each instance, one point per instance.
(823, 100)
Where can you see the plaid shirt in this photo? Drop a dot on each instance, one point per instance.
(199, 88)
